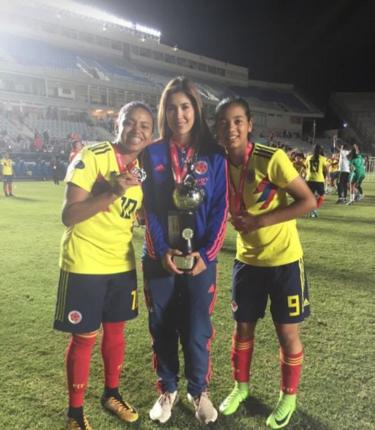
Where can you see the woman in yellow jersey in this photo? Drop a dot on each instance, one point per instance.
(316, 171)
(269, 255)
(7, 170)
(98, 285)
(333, 169)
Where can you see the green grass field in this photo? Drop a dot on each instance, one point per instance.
(337, 389)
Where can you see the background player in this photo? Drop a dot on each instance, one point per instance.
(269, 254)
(316, 171)
(7, 170)
(77, 146)
(357, 174)
(97, 279)
(344, 169)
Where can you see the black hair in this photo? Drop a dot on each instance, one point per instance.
(137, 104)
(318, 150)
(201, 134)
(232, 100)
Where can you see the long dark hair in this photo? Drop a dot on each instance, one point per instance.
(200, 132)
(318, 150)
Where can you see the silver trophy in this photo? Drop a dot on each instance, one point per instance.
(187, 197)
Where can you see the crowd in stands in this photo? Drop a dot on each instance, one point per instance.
(45, 147)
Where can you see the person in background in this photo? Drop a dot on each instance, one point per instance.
(269, 255)
(98, 285)
(55, 169)
(344, 169)
(333, 170)
(357, 174)
(316, 171)
(77, 146)
(7, 165)
(180, 303)
(299, 163)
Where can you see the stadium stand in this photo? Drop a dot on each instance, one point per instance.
(67, 76)
(358, 111)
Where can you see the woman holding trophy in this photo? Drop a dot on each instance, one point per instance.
(186, 200)
(97, 285)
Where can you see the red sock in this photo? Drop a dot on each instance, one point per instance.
(291, 367)
(319, 201)
(242, 351)
(78, 355)
(113, 352)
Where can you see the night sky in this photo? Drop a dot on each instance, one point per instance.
(319, 46)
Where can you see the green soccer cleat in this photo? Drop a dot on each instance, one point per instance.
(239, 393)
(283, 412)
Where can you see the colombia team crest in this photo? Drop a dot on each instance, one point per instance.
(200, 167)
(74, 317)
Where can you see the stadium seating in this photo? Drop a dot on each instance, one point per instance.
(281, 100)
(39, 54)
(358, 109)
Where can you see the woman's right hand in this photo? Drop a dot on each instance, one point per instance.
(168, 263)
(120, 183)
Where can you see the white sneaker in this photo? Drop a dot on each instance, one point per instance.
(162, 409)
(205, 411)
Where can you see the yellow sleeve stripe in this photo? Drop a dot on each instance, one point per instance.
(262, 153)
(100, 148)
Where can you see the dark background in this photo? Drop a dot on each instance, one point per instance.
(319, 46)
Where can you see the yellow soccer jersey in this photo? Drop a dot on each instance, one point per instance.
(314, 172)
(7, 165)
(270, 170)
(101, 244)
(333, 165)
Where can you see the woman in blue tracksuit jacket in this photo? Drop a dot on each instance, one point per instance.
(180, 302)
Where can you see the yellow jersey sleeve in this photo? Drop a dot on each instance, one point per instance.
(281, 170)
(83, 171)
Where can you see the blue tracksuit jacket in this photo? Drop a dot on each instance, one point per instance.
(210, 171)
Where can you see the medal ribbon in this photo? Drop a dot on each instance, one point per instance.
(178, 172)
(120, 162)
(237, 203)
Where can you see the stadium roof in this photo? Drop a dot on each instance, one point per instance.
(71, 7)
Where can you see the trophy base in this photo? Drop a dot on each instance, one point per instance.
(184, 262)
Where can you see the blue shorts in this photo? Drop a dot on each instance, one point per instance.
(85, 301)
(316, 187)
(286, 286)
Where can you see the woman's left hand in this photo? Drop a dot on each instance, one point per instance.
(245, 223)
(199, 265)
